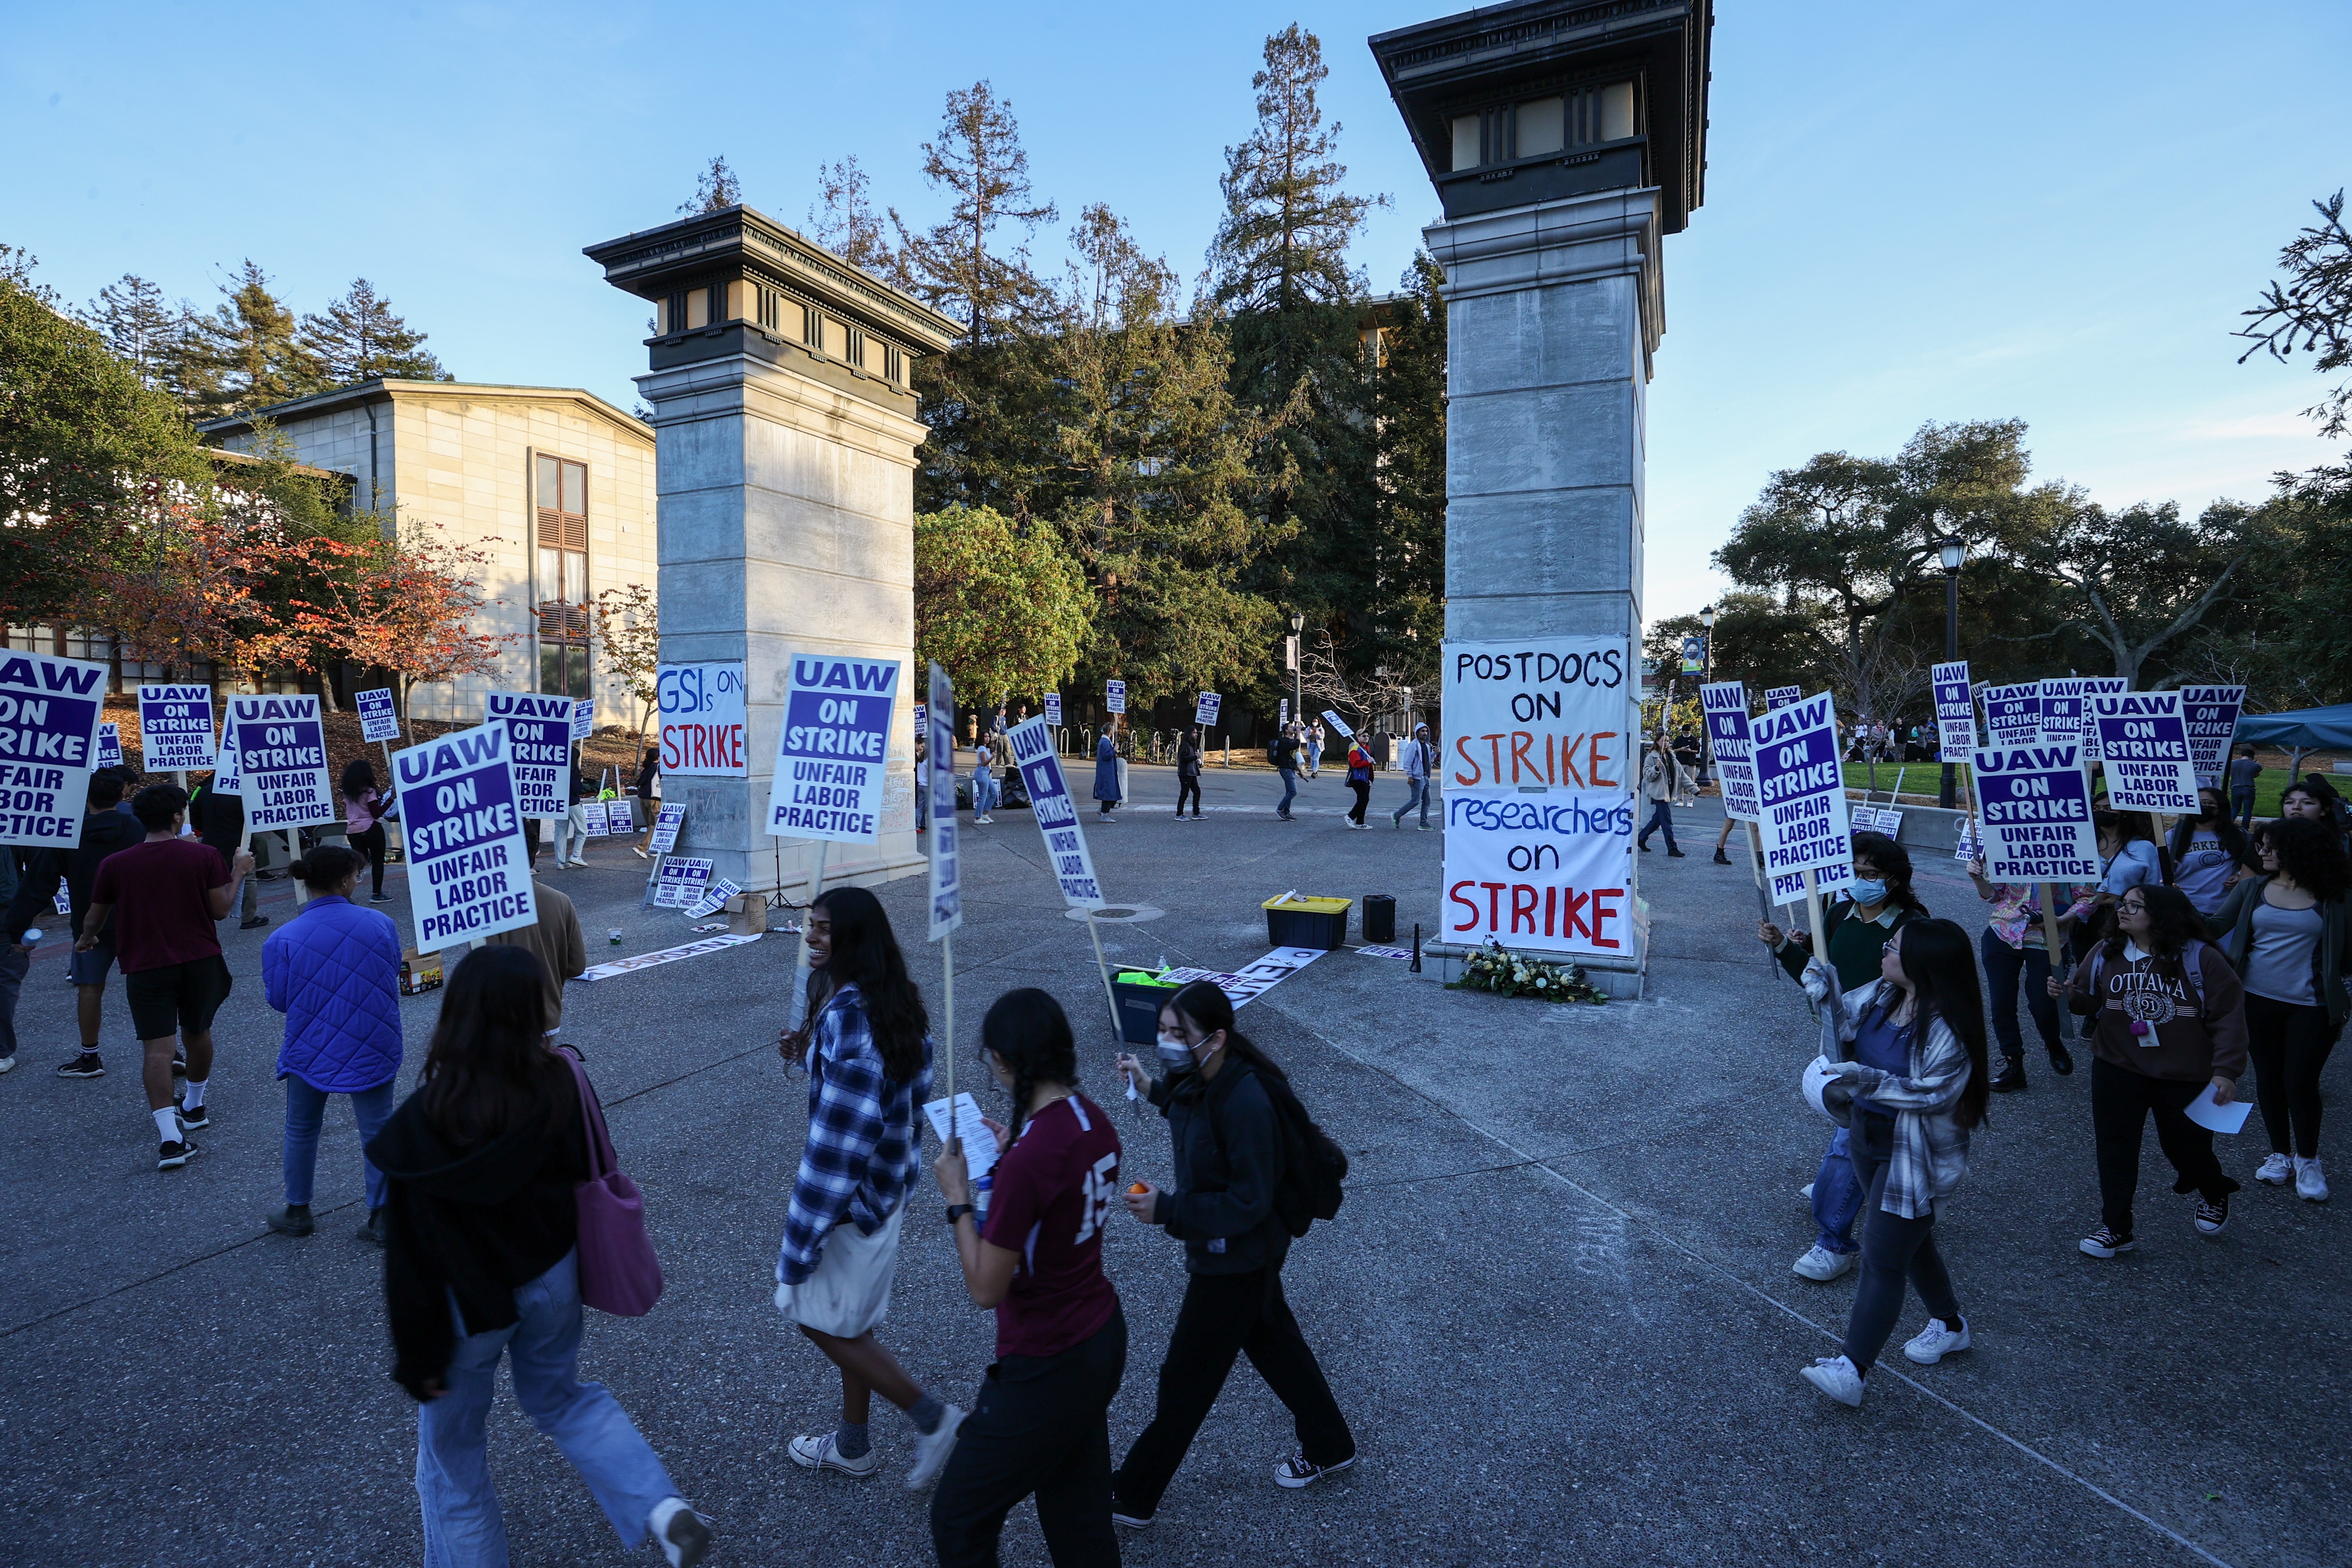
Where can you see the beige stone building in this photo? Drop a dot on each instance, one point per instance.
(553, 484)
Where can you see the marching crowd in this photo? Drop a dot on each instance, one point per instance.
(2191, 961)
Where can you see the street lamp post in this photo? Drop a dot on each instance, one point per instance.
(1706, 674)
(1953, 552)
(1297, 702)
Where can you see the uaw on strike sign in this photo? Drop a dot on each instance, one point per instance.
(281, 761)
(48, 739)
(833, 748)
(539, 737)
(469, 869)
(1801, 787)
(1539, 794)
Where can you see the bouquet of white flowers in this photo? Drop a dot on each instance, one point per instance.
(1505, 974)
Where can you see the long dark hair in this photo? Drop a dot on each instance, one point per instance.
(2173, 923)
(1031, 1034)
(1940, 962)
(1893, 863)
(1208, 1009)
(865, 954)
(2311, 854)
(2126, 825)
(489, 1064)
(2224, 828)
(359, 777)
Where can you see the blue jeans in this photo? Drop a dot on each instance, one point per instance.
(1290, 790)
(984, 795)
(1314, 758)
(1415, 791)
(13, 966)
(1662, 820)
(306, 1108)
(462, 1525)
(1837, 1197)
(2242, 806)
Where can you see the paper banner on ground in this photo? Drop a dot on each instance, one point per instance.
(539, 733)
(940, 839)
(282, 762)
(378, 721)
(2094, 688)
(2013, 714)
(1801, 787)
(110, 745)
(1956, 709)
(2062, 711)
(1115, 695)
(1057, 811)
(2211, 713)
(1205, 711)
(2143, 749)
(714, 898)
(681, 882)
(667, 823)
(1247, 984)
(1726, 705)
(704, 720)
(832, 749)
(1053, 709)
(667, 955)
(468, 866)
(2036, 806)
(50, 710)
(1781, 696)
(175, 728)
(1369, 951)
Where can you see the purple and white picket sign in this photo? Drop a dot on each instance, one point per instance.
(1781, 696)
(1801, 797)
(540, 728)
(2095, 687)
(1205, 711)
(2062, 711)
(175, 728)
(110, 745)
(833, 747)
(1956, 709)
(2144, 747)
(468, 868)
(379, 720)
(1724, 702)
(2013, 714)
(1057, 812)
(2036, 803)
(281, 764)
(2211, 713)
(49, 714)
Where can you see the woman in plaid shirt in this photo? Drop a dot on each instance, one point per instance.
(869, 1047)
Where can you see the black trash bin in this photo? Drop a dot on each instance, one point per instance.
(1380, 918)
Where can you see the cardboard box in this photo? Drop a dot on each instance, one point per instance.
(747, 914)
(419, 973)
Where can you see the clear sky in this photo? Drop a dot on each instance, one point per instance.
(1914, 212)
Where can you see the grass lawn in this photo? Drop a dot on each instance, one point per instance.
(1921, 780)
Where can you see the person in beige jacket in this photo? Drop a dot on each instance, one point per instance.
(1663, 778)
(557, 941)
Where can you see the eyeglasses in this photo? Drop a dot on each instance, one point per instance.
(2130, 907)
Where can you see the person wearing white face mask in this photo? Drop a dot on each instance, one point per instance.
(1227, 1139)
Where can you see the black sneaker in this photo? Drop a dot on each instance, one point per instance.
(86, 1065)
(2213, 1216)
(294, 1219)
(196, 1120)
(376, 1229)
(2105, 1243)
(2009, 1079)
(1298, 1470)
(379, 897)
(1132, 1520)
(173, 1155)
(251, 924)
(1674, 853)
(2062, 1060)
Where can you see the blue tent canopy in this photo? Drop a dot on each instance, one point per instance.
(2312, 729)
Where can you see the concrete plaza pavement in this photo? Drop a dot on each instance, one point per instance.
(1556, 1308)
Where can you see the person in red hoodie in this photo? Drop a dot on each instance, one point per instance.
(2171, 1020)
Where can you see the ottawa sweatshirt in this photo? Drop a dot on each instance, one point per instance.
(2189, 1038)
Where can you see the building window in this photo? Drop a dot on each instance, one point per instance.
(562, 589)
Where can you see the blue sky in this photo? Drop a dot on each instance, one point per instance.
(1914, 212)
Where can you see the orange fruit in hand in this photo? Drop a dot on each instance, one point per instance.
(1138, 1189)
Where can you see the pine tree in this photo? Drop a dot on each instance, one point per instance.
(951, 266)
(245, 356)
(138, 327)
(360, 338)
(715, 190)
(1405, 622)
(843, 220)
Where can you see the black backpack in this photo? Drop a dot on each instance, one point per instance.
(1273, 751)
(1312, 1165)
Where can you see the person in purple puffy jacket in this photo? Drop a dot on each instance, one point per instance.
(334, 971)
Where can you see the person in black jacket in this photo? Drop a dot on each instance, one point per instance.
(644, 808)
(481, 1261)
(1228, 1150)
(1188, 773)
(104, 830)
(219, 820)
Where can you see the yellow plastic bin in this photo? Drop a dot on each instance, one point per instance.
(1299, 920)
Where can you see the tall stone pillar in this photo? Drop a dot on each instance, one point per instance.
(785, 437)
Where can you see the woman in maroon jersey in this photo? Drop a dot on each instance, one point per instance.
(1041, 1423)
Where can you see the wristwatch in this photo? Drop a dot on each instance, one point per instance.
(957, 1212)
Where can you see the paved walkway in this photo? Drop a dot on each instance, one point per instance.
(1558, 1307)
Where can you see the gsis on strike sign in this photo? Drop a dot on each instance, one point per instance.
(703, 719)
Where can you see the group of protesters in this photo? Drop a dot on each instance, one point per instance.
(2191, 960)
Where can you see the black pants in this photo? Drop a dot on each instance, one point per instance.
(2004, 965)
(1894, 1249)
(1223, 1315)
(2121, 1100)
(1041, 1424)
(2289, 1044)
(371, 844)
(1364, 788)
(1188, 786)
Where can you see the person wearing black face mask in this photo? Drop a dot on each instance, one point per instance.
(1228, 1148)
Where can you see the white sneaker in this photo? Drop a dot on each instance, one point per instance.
(684, 1534)
(931, 1452)
(2310, 1184)
(1835, 1377)
(6, 1063)
(1935, 1342)
(824, 1454)
(2278, 1170)
(1821, 1264)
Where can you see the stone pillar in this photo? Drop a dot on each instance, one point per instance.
(785, 458)
(1552, 313)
